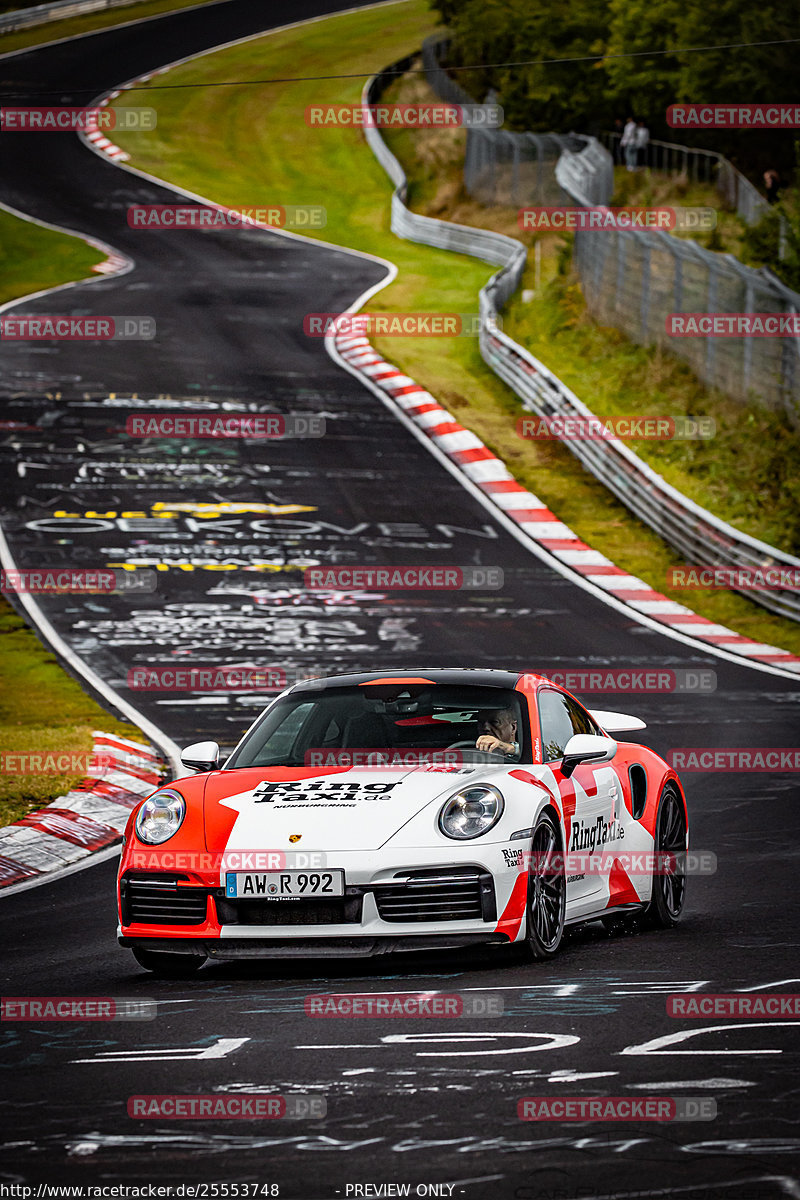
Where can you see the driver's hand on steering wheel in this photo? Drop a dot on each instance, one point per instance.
(493, 744)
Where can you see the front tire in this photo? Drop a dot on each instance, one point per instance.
(547, 891)
(669, 878)
(165, 965)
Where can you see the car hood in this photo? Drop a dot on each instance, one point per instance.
(262, 808)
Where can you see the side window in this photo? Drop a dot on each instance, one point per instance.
(560, 718)
(556, 724)
(581, 721)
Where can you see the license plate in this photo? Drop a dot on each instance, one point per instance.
(283, 885)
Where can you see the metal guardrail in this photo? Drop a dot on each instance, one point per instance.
(697, 534)
(590, 170)
(25, 18)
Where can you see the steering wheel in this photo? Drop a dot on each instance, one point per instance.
(469, 745)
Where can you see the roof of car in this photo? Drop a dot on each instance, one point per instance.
(477, 676)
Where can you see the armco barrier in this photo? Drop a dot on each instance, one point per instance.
(24, 18)
(699, 536)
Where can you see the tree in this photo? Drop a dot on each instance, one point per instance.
(640, 84)
(538, 96)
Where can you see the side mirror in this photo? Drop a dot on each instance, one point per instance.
(586, 747)
(201, 756)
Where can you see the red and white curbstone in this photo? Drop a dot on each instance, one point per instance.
(89, 818)
(535, 519)
(111, 265)
(99, 139)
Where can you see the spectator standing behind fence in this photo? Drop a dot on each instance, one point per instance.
(628, 143)
(773, 183)
(641, 139)
(618, 148)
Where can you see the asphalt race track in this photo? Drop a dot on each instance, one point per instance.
(408, 1101)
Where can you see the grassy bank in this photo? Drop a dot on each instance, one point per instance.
(33, 258)
(42, 710)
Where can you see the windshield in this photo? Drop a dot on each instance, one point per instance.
(413, 723)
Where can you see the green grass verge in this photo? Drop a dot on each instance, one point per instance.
(42, 710)
(33, 258)
(52, 31)
(654, 188)
(224, 143)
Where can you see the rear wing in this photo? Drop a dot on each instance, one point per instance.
(614, 722)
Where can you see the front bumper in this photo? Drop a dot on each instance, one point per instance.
(432, 905)
(325, 947)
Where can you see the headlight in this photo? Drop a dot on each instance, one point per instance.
(160, 817)
(471, 812)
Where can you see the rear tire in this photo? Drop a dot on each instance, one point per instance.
(165, 965)
(669, 878)
(546, 904)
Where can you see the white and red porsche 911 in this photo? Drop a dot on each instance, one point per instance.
(368, 813)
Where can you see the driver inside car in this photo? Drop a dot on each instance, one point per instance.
(497, 731)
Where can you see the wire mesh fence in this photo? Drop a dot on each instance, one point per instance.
(700, 166)
(501, 167)
(635, 279)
